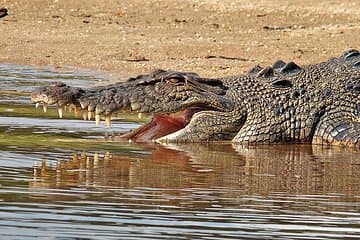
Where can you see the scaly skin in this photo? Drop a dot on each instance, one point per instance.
(317, 103)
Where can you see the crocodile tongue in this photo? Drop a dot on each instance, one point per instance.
(162, 125)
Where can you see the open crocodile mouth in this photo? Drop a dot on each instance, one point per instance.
(197, 97)
(164, 124)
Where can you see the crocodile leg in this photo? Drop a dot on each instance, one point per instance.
(337, 128)
(259, 130)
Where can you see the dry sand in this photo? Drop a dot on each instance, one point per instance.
(211, 37)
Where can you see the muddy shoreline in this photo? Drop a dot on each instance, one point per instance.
(213, 38)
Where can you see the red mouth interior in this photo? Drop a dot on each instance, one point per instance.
(162, 125)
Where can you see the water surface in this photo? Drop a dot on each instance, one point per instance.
(68, 179)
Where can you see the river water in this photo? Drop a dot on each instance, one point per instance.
(68, 179)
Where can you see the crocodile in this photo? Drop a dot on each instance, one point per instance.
(282, 103)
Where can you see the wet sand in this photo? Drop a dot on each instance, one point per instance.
(211, 37)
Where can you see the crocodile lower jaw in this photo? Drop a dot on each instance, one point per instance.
(163, 125)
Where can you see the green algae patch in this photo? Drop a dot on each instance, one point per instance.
(18, 110)
(25, 139)
(14, 93)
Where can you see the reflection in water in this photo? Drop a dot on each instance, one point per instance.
(295, 169)
(192, 191)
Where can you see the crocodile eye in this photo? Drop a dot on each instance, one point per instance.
(172, 81)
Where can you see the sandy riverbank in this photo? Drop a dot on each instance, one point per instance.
(211, 37)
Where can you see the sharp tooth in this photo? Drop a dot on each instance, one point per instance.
(37, 105)
(77, 112)
(84, 115)
(89, 115)
(45, 106)
(96, 157)
(96, 161)
(83, 155)
(139, 115)
(60, 111)
(107, 156)
(97, 119)
(108, 119)
(75, 157)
